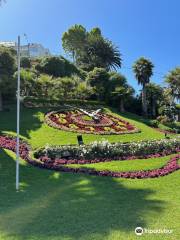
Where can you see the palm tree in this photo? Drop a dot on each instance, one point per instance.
(173, 80)
(143, 69)
(154, 97)
(119, 89)
(101, 53)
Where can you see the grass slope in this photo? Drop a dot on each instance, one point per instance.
(128, 165)
(59, 206)
(64, 206)
(38, 133)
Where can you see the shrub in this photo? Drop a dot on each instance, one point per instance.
(44, 102)
(163, 119)
(57, 67)
(154, 123)
(25, 62)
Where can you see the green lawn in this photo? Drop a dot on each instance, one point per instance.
(55, 206)
(65, 206)
(38, 133)
(130, 165)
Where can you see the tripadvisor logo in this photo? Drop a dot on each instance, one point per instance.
(139, 231)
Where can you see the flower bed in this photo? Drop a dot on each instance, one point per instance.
(105, 151)
(10, 143)
(76, 121)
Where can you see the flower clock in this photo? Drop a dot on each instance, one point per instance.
(88, 122)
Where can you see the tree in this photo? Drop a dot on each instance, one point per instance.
(65, 88)
(84, 91)
(119, 89)
(173, 79)
(28, 82)
(44, 86)
(95, 31)
(168, 107)
(143, 69)
(99, 52)
(7, 68)
(154, 97)
(73, 40)
(56, 66)
(90, 49)
(98, 79)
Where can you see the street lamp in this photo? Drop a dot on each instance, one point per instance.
(18, 115)
(28, 44)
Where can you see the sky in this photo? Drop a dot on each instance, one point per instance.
(148, 28)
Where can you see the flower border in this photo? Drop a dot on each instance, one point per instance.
(170, 167)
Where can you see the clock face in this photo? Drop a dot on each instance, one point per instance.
(93, 122)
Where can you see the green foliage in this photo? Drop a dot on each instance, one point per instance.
(173, 79)
(7, 61)
(98, 79)
(154, 123)
(28, 82)
(167, 124)
(143, 70)
(7, 68)
(118, 91)
(84, 91)
(44, 85)
(60, 103)
(25, 62)
(154, 98)
(116, 79)
(73, 40)
(163, 119)
(64, 88)
(95, 31)
(56, 66)
(90, 49)
(169, 110)
(99, 52)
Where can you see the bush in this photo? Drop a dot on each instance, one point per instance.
(168, 125)
(57, 67)
(44, 102)
(98, 79)
(25, 62)
(163, 119)
(154, 123)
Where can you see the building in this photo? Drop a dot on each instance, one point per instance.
(34, 50)
(7, 44)
(30, 50)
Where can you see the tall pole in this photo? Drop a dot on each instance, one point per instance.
(18, 115)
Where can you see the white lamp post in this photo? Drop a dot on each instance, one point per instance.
(18, 115)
